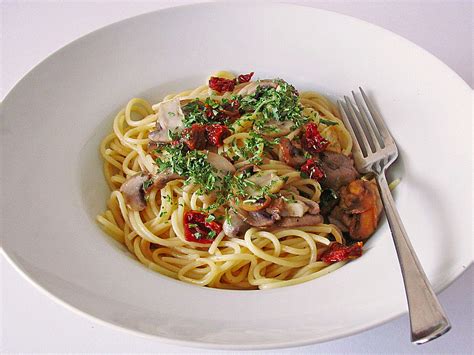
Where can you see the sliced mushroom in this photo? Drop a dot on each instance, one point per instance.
(161, 179)
(291, 154)
(234, 225)
(313, 207)
(220, 162)
(306, 220)
(275, 208)
(159, 136)
(169, 119)
(294, 209)
(252, 87)
(260, 219)
(338, 168)
(132, 190)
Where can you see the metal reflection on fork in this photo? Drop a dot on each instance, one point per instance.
(374, 151)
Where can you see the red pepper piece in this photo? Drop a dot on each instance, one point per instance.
(221, 84)
(312, 140)
(244, 78)
(216, 133)
(196, 229)
(195, 137)
(339, 252)
(313, 170)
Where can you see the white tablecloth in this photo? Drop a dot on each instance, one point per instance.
(31, 322)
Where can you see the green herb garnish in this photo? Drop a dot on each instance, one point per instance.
(280, 104)
(210, 218)
(146, 184)
(327, 122)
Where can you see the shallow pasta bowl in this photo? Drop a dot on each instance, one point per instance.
(52, 182)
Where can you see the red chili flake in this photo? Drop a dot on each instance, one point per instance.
(244, 78)
(197, 229)
(339, 252)
(313, 170)
(312, 140)
(216, 133)
(195, 136)
(221, 84)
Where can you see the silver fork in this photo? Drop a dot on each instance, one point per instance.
(374, 151)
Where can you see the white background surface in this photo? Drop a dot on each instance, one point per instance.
(31, 322)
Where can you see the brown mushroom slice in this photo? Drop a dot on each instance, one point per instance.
(220, 163)
(234, 226)
(133, 193)
(306, 220)
(313, 207)
(294, 209)
(338, 169)
(291, 154)
(275, 208)
(161, 179)
(260, 219)
(159, 136)
(252, 86)
(169, 119)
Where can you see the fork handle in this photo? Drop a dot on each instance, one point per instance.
(427, 317)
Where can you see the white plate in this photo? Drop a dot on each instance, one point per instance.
(52, 183)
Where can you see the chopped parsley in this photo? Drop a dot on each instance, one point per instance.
(207, 112)
(192, 164)
(147, 184)
(270, 103)
(194, 112)
(267, 105)
(210, 218)
(254, 147)
(327, 122)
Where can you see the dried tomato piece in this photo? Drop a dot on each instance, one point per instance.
(313, 170)
(230, 109)
(339, 252)
(216, 133)
(312, 140)
(244, 78)
(195, 136)
(198, 229)
(221, 84)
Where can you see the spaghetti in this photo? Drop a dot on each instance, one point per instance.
(220, 186)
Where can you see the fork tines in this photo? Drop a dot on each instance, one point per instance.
(371, 138)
